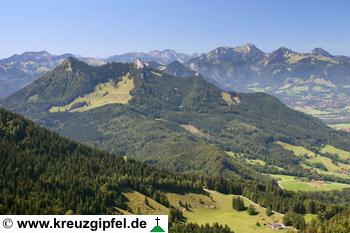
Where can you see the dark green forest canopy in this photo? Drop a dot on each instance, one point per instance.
(42, 172)
(339, 224)
(194, 228)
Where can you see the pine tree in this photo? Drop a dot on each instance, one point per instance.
(251, 210)
(146, 201)
(238, 204)
(269, 211)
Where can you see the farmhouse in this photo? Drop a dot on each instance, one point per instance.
(277, 226)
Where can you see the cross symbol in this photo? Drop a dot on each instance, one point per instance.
(157, 219)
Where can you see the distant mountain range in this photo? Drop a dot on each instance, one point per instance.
(317, 82)
(18, 71)
(162, 57)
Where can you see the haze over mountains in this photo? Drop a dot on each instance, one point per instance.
(18, 71)
(162, 57)
(317, 82)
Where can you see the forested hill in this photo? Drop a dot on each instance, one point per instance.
(43, 173)
(183, 124)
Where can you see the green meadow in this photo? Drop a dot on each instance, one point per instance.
(218, 208)
(301, 184)
(311, 159)
(105, 93)
(208, 207)
(333, 150)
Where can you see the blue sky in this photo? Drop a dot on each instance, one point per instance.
(107, 27)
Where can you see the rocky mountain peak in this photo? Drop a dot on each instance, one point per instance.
(26, 56)
(284, 52)
(68, 64)
(248, 48)
(139, 64)
(321, 52)
(72, 64)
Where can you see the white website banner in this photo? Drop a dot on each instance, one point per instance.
(83, 223)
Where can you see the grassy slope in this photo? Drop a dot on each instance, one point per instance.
(309, 217)
(256, 162)
(223, 213)
(208, 209)
(341, 126)
(297, 150)
(104, 93)
(314, 158)
(294, 184)
(333, 150)
(136, 203)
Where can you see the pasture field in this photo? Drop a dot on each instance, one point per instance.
(256, 162)
(218, 208)
(136, 204)
(310, 158)
(319, 171)
(333, 150)
(310, 217)
(195, 131)
(105, 93)
(207, 207)
(297, 150)
(340, 126)
(312, 111)
(300, 184)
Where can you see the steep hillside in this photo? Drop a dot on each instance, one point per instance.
(178, 69)
(43, 173)
(184, 124)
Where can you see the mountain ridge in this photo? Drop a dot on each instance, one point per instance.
(18, 71)
(163, 57)
(184, 120)
(315, 82)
